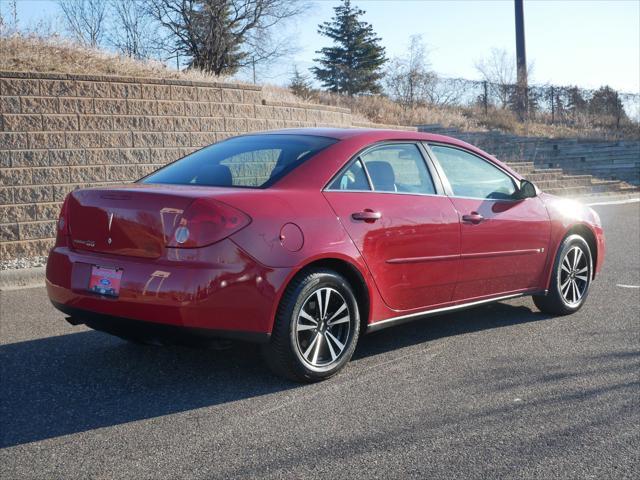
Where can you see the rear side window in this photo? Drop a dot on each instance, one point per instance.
(247, 161)
(353, 178)
(398, 168)
(471, 176)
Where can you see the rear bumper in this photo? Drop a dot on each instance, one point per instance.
(216, 291)
(148, 331)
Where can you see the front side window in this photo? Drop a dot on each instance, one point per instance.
(471, 176)
(247, 161)
(398, 168)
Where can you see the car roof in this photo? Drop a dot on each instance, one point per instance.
(369, 134)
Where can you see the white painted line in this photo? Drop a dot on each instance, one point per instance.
(615, 202)
(627, 286)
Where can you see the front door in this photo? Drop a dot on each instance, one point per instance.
(408, 235)
(504, 241)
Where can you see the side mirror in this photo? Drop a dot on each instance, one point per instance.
(527, 190)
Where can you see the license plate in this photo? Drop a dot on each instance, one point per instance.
(105, 281)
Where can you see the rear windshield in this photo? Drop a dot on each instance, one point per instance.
(247, 161)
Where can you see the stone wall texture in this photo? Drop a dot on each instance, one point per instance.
(62, 132)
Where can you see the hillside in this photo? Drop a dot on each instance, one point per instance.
(56, 55)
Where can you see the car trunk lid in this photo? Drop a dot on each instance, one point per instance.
(134, 220)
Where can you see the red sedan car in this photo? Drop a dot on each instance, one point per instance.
(303, 240)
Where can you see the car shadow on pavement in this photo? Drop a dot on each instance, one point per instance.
(422, 330)
(82, 381)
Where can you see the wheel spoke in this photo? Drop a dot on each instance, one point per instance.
(576, 258)
(581, 277)
(331, 350)
(306, 316)
(582, 270)
(302, 327)
(565, 289)
(317, 350)
(310, 347)
(570, 293)
(338, 312)
(564, 267)
(319, 297)
(337, 342)
(575, 290)
(326, 302)
(339, 320)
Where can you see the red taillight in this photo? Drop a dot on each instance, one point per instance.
(205, 222)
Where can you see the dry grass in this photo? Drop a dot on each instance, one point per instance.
(57, 55)
(380, 109)
(376, 109)
(507, 121)
(275, 93)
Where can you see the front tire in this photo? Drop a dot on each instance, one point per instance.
(571, 278)
(316, 327)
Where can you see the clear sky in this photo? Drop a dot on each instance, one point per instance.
(585, 42)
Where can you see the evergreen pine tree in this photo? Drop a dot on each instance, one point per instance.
(576, 102)
(300, 85)
(606, 101)
(353, 64)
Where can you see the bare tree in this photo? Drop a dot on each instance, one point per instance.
(9, 25)
(411, 82)
(446, 92)
(408, 78)
(499, 70)
(134, 31)
(223, 36)
(85, 19)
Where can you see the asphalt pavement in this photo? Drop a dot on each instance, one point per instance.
(501, 391)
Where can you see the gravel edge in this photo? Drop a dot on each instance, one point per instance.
(16, 279)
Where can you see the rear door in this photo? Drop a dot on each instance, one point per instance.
(406, 230)
(504, 241)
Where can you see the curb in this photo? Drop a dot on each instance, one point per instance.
(608, 199)
(21, 278)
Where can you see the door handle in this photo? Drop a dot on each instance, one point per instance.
(473, 217)
(367, 215)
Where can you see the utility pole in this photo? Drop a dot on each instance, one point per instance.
(521, 60)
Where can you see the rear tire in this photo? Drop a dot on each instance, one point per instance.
(570, 278)
(316, 327)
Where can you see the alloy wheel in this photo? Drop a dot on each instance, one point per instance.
(323, 327)
(573, 276)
